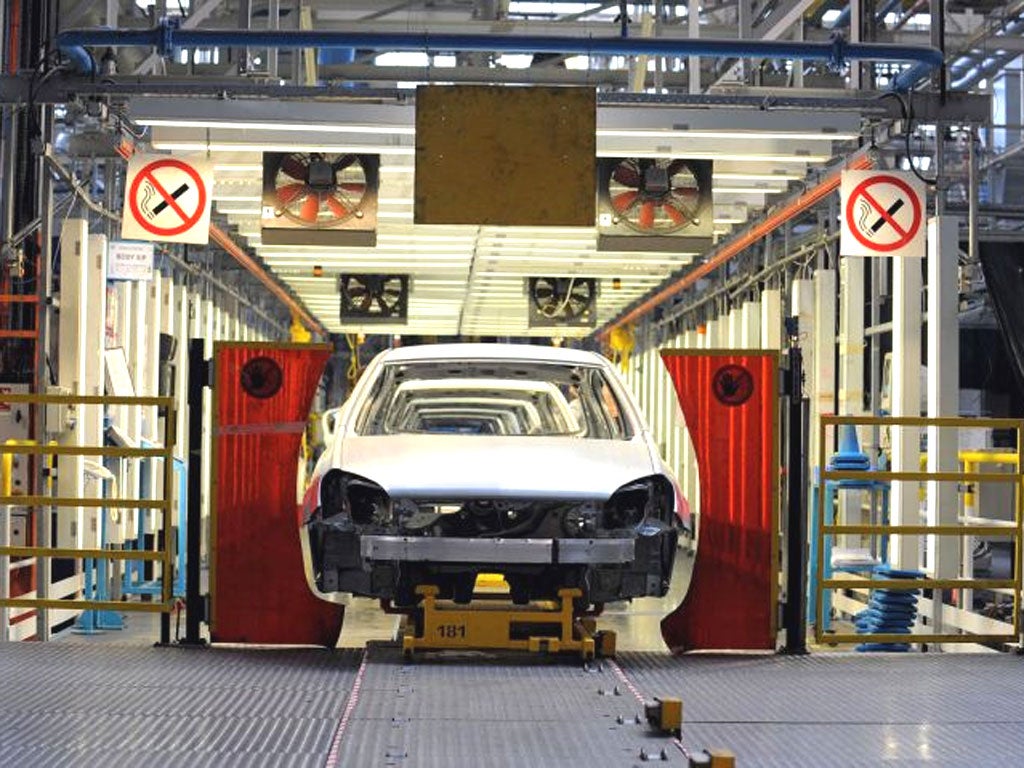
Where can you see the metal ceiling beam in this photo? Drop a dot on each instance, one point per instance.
(780, 21)
(197, 17)
(777, 24)
(61, 89)
(166, 38)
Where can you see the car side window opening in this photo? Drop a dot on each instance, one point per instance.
(492, 397)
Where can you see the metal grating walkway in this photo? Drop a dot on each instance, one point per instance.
(76, 704)
(80, 704)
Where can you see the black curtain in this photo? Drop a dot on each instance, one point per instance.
(1003, 267)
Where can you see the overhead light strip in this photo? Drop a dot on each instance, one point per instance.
(409, 130)
(245, 125)
(669, 152)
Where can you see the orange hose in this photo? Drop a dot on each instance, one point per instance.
(222, 239)
(14, 39)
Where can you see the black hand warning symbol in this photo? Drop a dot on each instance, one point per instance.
(732, 385)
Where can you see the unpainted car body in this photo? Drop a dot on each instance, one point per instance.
(454, 459)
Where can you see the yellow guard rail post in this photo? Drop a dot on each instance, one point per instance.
(963, 477)
(165, 556)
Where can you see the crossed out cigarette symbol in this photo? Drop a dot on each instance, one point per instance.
(149, 197)
(873, 223)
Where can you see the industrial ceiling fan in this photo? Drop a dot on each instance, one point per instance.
(558, 301)
(657, 196)
(319, 198)
(319, 190)
(374, 298)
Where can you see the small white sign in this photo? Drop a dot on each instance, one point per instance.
(167, 199)
(883, 214)
(129, 261)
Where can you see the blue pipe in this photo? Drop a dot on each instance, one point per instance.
(908, 78)
(166, 38)
(80, 59)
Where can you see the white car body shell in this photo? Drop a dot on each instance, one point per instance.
(496, 466)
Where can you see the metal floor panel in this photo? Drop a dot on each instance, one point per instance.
(832, 709)
(457, 709)
(75, 704)
(845, 709)
(79, 704)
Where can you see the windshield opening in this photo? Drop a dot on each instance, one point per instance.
(493, 397)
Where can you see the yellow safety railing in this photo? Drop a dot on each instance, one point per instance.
(969, 474)
(165, 556)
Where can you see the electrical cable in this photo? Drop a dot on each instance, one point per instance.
(548, 312)
(907, 110)
(79, 192)
(354, 369)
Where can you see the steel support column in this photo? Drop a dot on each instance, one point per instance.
(771, 319)
(735, 329)
(795, 611)
(905, 401)
(823, 398)
(942, 552)
(750, 333)
(802, 308)
(851, 335)
(198, 386)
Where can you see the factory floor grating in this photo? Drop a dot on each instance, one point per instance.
(79, 704)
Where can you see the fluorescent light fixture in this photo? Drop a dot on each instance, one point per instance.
(491, 231)
(239, 211)
(514, 60)
(765, 190)
(734, 176)
(245, 125)
(588, 260)
(386, 237)
(236, 199)
(402, 59)
(407, 215)
(549, 8)
(389, 265)
(410, 248)
(495, 241)
(726, 134)
(723, 156)
(314, 146)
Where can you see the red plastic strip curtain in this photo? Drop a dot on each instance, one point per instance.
(730, 404)
(262, 397)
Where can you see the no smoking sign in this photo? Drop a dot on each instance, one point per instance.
(167, 199)
(883, 214)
